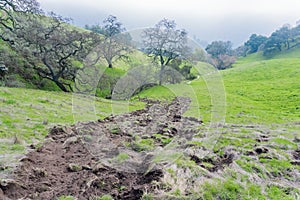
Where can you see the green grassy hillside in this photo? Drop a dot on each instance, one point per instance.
(28, 114)
(257, 91)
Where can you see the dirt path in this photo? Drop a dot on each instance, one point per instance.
(112, 156)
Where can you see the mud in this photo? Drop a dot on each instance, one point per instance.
(92, 159)
(216, 163)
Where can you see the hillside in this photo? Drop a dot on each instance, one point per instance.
(257, 91)
(254, 155)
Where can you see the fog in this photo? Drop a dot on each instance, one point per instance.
(233, 20)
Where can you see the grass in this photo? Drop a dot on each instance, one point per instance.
(122, 157)
(142, 144)
(264, 93)
(28, 114)
(229, 189)
(259, 92)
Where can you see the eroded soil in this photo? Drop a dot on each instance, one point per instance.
(112, 156)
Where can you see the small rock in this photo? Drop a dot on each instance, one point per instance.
(43, 188)
(69, 141)
(296, 154)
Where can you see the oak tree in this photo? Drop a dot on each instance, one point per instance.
(51, 47)
(114, 43)
(164, 43)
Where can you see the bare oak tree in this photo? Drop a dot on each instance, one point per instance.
(114, 44)
(165, 43)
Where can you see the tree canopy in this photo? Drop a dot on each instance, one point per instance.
(284, 38)
(48, 45)
(221, 53)
(9, 11)
(254, 42)
(164, 43)
(114, 43)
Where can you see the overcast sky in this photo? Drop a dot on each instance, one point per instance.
(209, 20)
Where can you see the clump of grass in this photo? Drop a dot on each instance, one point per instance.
(115, 130)
(163, 139)
(229, 189)
(284, 143)
(10, 101)
(104, 197)
(142, 144)
(66, 198)
(251, 168)
(122, 157)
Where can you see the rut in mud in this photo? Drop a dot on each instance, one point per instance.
(112, 156)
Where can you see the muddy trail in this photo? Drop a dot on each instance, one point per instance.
(116, 156)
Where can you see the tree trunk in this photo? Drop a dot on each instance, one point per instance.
(162, 68)
(61, 86)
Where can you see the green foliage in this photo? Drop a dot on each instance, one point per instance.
(254, 42)
(285, 38)
(107, 82)
(282, 40)
(251, 168)
(10, 101)
(220, 54)
(217, 48)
